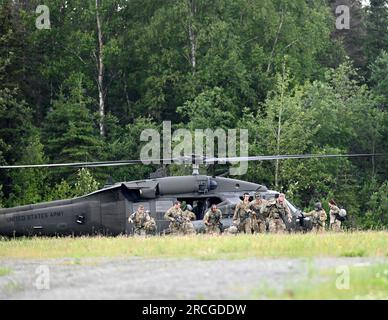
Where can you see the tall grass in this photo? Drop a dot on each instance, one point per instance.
(4, 271)
(368, 244)
(365, 283)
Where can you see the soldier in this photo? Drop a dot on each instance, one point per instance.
(188, 216)
(258, 219)
(319, 217)
(143, 223)
(150, 225)
(242, 215)
(174, 215)
(212, 220)
(277, 210)
(335, 223)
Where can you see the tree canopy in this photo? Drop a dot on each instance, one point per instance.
(85, 88)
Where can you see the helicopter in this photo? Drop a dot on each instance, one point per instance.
(106, 211)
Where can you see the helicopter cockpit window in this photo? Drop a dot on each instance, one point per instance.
(293, 209)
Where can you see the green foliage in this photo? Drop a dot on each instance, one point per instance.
(376, 215)
(125, 144)
(376, 29)
(15, 124)
(29, 185)
(69, 132)
(62, 190)
(379, 76)
(85, 183)
(210, 109)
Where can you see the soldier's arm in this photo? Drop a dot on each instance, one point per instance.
(252, 207)
(219, 212)
(206, 218)
(336, 210)
(333, 212)
(130, 219)
(168, 215)
(236, 211)
(192, 216)
(308, 214)
(288, 212)
(264, 209)
(323, 215)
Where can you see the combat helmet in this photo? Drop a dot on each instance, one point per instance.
(233, 230)
(318, 206)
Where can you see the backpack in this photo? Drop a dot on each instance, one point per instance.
(342, 215)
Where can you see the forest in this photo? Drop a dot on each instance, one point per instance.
(81, 79)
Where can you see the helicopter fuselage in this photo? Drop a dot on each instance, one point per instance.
(106, 211)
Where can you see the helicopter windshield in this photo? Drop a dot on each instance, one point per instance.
(292, 207)
(270, 195)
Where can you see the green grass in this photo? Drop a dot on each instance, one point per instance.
(4, 271)
(12, 287)
(365, 244)
(365, 282)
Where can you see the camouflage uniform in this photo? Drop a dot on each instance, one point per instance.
(150, 227)
(212, 220)
(276, 212)
(175, 216)
(335, 224)
(143, 223)
(258, 219)
(231, 230)
(242, 217)
(319, 218)
(188, 227)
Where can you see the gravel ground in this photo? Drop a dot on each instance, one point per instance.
(151, 279)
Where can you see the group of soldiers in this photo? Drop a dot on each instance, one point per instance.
(249, 217)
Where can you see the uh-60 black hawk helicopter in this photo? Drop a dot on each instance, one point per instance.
(106, 211)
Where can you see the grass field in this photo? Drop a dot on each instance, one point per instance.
(4, 271)
(365, 282)
(356, 244)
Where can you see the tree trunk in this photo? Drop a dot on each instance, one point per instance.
(275, 42)
(279, 129)
(100, 69)
(192, 34)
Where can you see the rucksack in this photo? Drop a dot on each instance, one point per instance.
(341, 216)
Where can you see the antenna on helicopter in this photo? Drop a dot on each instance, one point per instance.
(196, 160)
(108, 183)
(195, 169)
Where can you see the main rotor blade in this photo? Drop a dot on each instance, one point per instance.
(289, 156)
(187, 160)
(74, 164)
